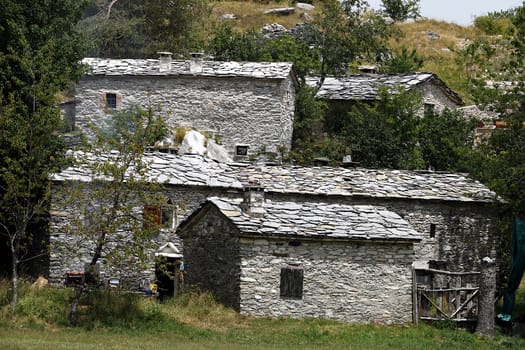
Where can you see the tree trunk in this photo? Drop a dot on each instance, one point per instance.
(14, 276)
(73, 307)
(487, 292)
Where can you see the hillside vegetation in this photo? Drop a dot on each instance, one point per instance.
(437, 42)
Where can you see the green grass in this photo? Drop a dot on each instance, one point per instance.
(112, 320)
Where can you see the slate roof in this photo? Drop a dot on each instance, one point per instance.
(366, 86)
(185, 170)
(196, 170)
(151, 67)
(318, 220)
(379, 183)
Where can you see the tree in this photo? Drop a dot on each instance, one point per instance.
(345, 32)
(401, 10)
(39, 55)
(383, 133)
(403, 62)
(499, 161)
(109, 223)
(446, 140)
(140, 28)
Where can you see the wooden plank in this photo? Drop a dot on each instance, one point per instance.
(466, 302)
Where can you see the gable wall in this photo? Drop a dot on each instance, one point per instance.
(211, 255)
(347, 281)
(257, 112)
(434, 95)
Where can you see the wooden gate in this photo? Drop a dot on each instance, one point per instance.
(444, 295)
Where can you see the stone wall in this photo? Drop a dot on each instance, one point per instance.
(433, 95)
(211, 254)
(254, 112)
(131, 272)
(347, 281)
(463, 232)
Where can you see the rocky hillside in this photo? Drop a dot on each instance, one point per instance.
(436, 41)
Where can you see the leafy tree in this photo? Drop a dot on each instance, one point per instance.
(401, 10)
(141, 28)
(384, 133)
(403, 62)
(345, 32)
(39, 55)
(109, 227)
(446, 140)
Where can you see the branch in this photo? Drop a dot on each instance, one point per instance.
(109, 8)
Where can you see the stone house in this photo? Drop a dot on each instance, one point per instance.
(307, 213)
(342, 92)
(247, 106)
(302, 259)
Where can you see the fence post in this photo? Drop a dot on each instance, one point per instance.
(487, 292)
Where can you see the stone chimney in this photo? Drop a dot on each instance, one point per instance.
(368, 69)
(196, 62)
(253, 200)
(164, 61)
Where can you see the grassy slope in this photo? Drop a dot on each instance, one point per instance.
(195, 321)
(439, 54)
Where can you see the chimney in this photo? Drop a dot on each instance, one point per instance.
(368, 70)
(196, 62)
(253, 200)
(164, 61)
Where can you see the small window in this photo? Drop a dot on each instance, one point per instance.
(111, 100)
(291, 283)
(241, 150)
(156, 216)
(429, 108)
(432, 230)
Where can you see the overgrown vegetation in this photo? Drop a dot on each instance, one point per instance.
(194, 321)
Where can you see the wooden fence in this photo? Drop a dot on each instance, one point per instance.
(444, 295)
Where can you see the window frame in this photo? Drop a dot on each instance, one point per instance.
(291, 283)
(158, 217)
(111, 100)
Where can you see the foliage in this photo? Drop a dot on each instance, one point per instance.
(403, 62)
(228, 44)
(491, 25)
(39, 55)
(446, 140)
(344, 32)
(195, 321)
(109, 205)
(382, 133)
(401, 10)
(499, 161)
(135, 29)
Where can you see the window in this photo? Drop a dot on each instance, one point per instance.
(241, 150)
(291, 283)
(429, 108)
(111, 100)
(432, 230)
(156, 216)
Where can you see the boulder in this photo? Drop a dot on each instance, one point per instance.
(196, 143)
(304, 6)
(283, 11)
(193, 143)
(40, 283)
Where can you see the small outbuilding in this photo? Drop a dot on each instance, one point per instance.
(302, 259)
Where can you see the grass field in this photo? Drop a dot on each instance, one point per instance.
(112, 320)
